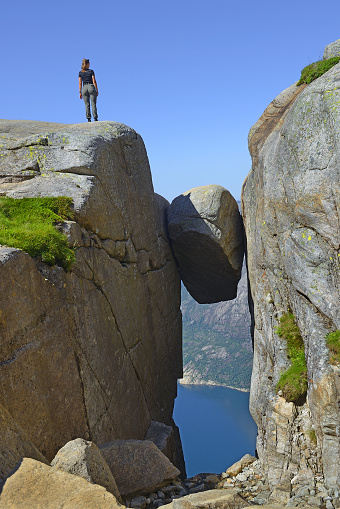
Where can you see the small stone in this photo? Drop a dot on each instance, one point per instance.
(237, 467)
(169, 489)
(262, 497)
(198, 489)
(322, 492)
(196, 478)
(317, 501)
(303, 492)
(138, 502)
(228, 484)
(148, 501)
(158, 502)
(178, 486)
(224, 475)
(160, 494)
(241, 477)
(212, 479)
(182, 493)
(329, 505)
(294, 502)
(312, 493)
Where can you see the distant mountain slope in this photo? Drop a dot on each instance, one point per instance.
(217, 345)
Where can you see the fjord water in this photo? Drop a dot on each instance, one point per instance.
(215, 425)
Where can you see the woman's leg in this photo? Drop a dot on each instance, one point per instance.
(93, 96)
(86, 97)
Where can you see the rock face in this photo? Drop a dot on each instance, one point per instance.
(14, 445)
(38, 486)
(206, 233)
(94, 352)
(138, 466)
(332, 50)
(290, 206)
(83, 458)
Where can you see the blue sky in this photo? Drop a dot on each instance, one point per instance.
(190, 76)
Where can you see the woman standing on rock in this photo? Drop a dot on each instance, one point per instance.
(88, 89)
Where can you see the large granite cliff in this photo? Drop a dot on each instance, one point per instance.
(291, 211)
(93, 352)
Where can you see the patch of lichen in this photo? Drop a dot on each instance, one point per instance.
(333, 343)
(29, 224)
(293, 382)
(312, 436)
(313, 71)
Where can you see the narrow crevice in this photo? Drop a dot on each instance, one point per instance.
(78, 364)
(28, 143)
(16, 354)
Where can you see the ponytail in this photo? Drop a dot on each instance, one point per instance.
(84, 63)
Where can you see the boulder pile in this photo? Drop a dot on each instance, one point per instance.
(137, 475)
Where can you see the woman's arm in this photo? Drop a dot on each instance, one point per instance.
(95, 83)
(80, 88)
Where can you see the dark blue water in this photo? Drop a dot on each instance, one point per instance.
(215, 425)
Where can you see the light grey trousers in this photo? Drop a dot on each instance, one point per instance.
(89, 92)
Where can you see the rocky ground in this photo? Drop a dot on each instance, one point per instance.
(250, 484)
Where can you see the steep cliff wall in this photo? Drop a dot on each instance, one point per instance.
(93, 352)
(291, 211)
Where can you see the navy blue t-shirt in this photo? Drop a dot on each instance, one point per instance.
(86, 76)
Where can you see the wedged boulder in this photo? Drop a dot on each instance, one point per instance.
(36, 485)
(206, 232)
(83, 458)
(237, 467)
(94, 352)
(138, 466)
(14, 445)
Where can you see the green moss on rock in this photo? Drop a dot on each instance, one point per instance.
(293, 382)
(333, 343)
(29, 224)
(313, 71)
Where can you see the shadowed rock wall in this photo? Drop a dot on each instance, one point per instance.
(291, 211)
(94, 352)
